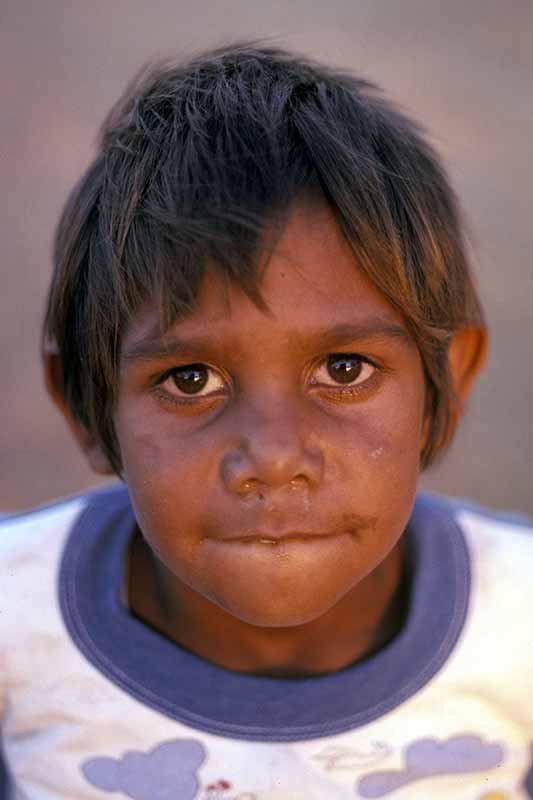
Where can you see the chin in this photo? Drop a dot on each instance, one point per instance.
(276, 612)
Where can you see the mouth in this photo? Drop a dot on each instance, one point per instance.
(350, 526)
(273, 538)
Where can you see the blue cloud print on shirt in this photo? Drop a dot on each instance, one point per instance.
(428, 757)
(167, 772)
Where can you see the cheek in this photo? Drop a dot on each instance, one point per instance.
(162, 468)
(376, 460)
(386, 434)
(154, 446)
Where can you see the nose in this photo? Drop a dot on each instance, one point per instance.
(273, 450)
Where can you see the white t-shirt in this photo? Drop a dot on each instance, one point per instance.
(95, 704)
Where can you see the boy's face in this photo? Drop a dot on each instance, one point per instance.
(276, 474)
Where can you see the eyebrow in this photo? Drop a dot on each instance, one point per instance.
(153, 347)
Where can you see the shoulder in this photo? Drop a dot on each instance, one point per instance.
(37, 535)
(494, 655)
(499, 553)
(32, 547)
(508, 529)
(502, 537)
(499, 545)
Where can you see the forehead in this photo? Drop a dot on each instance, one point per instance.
(310, 280)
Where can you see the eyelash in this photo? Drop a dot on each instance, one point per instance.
(340, 391)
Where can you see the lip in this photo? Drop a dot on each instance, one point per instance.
(274, 537)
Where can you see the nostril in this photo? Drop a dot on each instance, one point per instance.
(253, 486)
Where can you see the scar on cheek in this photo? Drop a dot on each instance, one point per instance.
(376, 453)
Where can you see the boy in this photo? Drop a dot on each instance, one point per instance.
(262, 320)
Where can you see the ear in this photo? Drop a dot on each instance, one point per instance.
(467, 353)
(53, 380)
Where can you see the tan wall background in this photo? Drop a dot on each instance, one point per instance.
(464, 67)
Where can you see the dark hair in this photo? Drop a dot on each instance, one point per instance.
(197, 159)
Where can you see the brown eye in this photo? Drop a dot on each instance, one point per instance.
(191, 379)
(344, 368)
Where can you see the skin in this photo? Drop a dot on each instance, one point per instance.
(271, 446)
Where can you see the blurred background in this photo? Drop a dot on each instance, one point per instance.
(465, 69)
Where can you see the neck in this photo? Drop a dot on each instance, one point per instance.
(363, 621)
